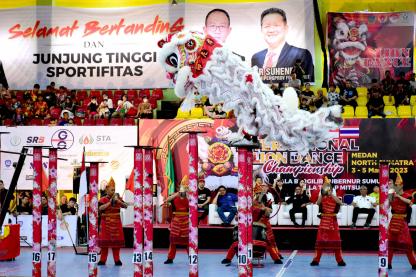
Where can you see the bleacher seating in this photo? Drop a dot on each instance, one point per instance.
(197, 113)
(362, 100)
(362, 92)
(404, 111)
(348, 112)
(362, 217)
(182, 114)
(390, 111)
(389, 100)
(361, 112)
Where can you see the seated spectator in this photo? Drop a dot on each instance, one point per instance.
(33, 94)
(72, 207)
(93, 107)
(28, 108)
(294, 82)
(304, 189)
(64, 119)
(197, 99)
(24, 208)
(388, 84)
(349, 95)
(44, 204)
(319, 100)
(204, 198)
(64, 204)
(401, 96)
(333, 96)
(413, 84)
(276, 89)
(307, 94)
(68, 105)
(375, 104)
(304, 105)
(145, 109)
(376, 194)
(41, 108)
(61, 95)
(299, 202)
(225, 202)
(216, 111)
(110, 104)
(50, 96)
(5, 94)
(402, 81)
(363, 204)
(103, 110)
(281, 191)
(71, 122)
(123, 106)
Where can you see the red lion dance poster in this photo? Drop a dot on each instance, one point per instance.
(363, 46)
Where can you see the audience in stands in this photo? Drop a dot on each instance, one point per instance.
(402, 94)
(24, 207)
(204, 198)
(93, 107)
(123, 107)
(319, 100)
(299, 201)
(376, 194)
(145, 109)
(44, 202)
(375, 104)
(348, 95)
(333, 96)
(64, 121)
(103, 110)
(363, 204)
(294, 82)
(226, 202)
(388, 84)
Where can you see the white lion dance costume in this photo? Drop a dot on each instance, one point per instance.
(197, 62)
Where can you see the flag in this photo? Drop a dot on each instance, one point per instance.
(45, 180)
(130, 182)
(170, 171)
(82, 186)
(349, 132)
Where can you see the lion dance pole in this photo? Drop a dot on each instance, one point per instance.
(148, 210)
(53, 164)
(193, 201)
(249, 192)
(93, 220)
(37, 212)
(138, 212)
(384, 206)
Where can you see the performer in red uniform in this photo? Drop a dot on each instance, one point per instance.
(400, 239)
(328, 237)
(179, 226)
(111, 231)
(261, 215)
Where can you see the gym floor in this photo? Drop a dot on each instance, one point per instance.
(295, 263)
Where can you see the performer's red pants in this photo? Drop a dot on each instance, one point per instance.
(104, 254)
(318, 254)
(409, 254)
(274, 254)
(172, 251)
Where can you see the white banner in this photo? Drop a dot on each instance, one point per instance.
(102, 143)
(117, 47)
(64, 234)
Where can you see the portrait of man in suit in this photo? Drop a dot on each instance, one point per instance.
(277, 61)
(3, 80)
(218, 26)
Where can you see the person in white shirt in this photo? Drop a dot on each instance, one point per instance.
(363, 204)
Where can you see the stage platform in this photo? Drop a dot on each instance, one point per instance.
(296, 264)
(287, 237)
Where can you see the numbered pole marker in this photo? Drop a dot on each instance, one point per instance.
(137, 258)
(242, 259)
(382, 262)
(250, 253)
(51, 256)
(36, 257)
(148, 256)
(193, 259)
(92, 258)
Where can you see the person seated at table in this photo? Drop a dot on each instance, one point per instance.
(24, 208)
(225, 202)
(299, 202)
(363, 204)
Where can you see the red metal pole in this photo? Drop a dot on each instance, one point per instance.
(193, 202)
(148, 212)
(249, 192)
(242, 213)
(93, 221)
(383, 225)
(138, 212)
(53, 165)
(37, 213)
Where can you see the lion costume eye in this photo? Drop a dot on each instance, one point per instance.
(172, 60)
